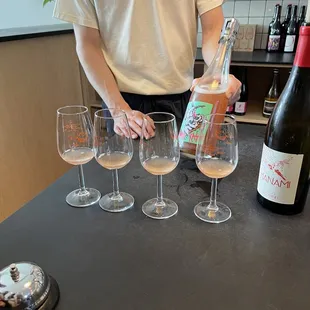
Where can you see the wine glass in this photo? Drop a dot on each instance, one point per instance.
(113, 151)
(75, 146)
(216, 157)
(159, 155)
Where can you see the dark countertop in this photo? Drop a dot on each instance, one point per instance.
(21, 33)
(257, 260)
(257, 57)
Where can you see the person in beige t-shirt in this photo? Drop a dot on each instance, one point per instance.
(139, 54)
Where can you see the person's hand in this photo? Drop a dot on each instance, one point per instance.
(135, 121)
(233, 91)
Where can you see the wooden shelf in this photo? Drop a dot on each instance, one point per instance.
(96, 104)
(253, 114)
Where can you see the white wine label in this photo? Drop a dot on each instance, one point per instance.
(240, 107)
(269, 106)
(289, 43)
(278, 175)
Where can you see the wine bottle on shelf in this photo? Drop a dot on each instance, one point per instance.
(274, 35)
(301, 19)
(230, 109)
(284, 26)
(291, 33)
(241, 105)
(209, 95)
(284, 177)
(302, 16)
(272, 95)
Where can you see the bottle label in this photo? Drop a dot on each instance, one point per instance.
(278, 175)
(240, 107)
(274, 42)
(196, 113)
(230, 109)
(269, 106)
(289, 43)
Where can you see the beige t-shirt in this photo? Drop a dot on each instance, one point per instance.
(149, 45)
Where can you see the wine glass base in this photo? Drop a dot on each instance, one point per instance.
(83, 199)
(150, 209)
(221, 215)
(120, 203)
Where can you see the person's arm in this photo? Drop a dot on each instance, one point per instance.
(211, 23)
(88, 47)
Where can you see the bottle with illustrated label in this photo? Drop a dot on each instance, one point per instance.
(283, 181)
(274, 35)
(241, 105)
(284, 26)
(272, 96)
(209, 95)
(291, 33)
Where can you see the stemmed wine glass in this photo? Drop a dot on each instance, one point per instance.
(113, 151)
(75, 146)
(159, 155)
(216, 157)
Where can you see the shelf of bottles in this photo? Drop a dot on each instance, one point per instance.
(260, 92)
(283, 35)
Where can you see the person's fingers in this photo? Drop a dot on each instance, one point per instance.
(234, 90)
(150, 121)
(148, 131)
(194, 83)
(135, 128)
(234, 98)
(149, 126)
(137, 116)
(118, 130)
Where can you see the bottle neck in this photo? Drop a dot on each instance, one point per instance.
(294, 13)
(219, 67)
(275, 13)
(274, 85)
(302, 58)
(288, 13)
(302, 14)
(278, 13)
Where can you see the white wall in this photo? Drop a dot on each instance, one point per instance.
(26, 13)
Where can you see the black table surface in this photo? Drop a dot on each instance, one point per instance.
(257, 260)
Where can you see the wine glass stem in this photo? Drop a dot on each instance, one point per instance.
(81, 179)
(213, 206)
(115, 183)
(160, 199)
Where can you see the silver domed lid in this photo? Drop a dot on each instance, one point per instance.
(23, 286)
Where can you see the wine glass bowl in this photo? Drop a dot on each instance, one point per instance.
(216, 157)
(75, 146)
(113, 151)
(159, 155)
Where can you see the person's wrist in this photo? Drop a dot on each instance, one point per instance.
(120, 106)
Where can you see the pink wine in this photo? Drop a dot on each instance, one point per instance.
(78, 156)
(115, 160)
(159, 165)
(215, 168)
